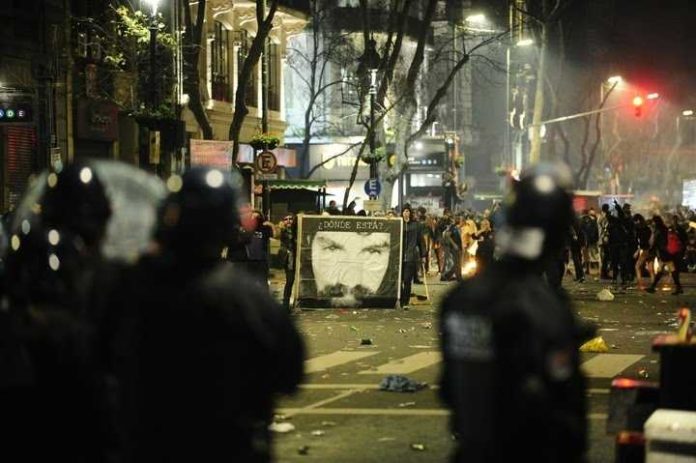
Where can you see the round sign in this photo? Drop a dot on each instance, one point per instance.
(373, 187)
(266, 162)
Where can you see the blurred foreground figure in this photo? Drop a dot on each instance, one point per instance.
(202, 350)
(54, 391)
(510, 342)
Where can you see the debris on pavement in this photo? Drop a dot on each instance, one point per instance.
(605, 295)
(418, 447)
(318, 432)
(304, 450)
(406, 404)
(366, 342)
(427, 325)
(354, 328)
(386, 439)
(281, 427)
(595, 345)
(398, 383)
(328, 424)
(643, 373)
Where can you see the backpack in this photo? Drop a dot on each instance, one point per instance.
(674, 243)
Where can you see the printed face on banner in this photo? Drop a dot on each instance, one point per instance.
(349, 262)
(349, 266)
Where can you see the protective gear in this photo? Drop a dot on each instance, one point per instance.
(200, 213)
(197, 332)
(75, 200)
(510, 342)
(44, 266)
(538, 212)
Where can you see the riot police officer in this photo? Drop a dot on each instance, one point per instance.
(202, 350)
(510, 342)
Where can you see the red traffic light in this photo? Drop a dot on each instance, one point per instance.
(638, 105)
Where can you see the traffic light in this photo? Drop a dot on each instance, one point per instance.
(638, 105)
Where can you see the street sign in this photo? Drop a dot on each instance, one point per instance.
(266, 162)
(372, 205)
(373, 187)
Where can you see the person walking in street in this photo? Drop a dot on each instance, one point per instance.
(258, 248)
(511, 365)
(590, 230)
(201, 350)
(669, 244)
(643, 255)
(577, 244)
(286, 254)
(413, 254)
(486, 244)
(603, 224)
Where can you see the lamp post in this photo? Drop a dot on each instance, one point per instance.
(153, 53)
(369, 63)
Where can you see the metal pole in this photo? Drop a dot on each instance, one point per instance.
(373, 91)
(508, 141)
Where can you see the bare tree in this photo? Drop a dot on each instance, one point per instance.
(191, 53)
(264, 21)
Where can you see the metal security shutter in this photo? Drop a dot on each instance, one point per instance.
(20, 148)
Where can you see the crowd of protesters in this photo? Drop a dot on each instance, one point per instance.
(612, 244)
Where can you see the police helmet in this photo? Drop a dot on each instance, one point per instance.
(200, 212)
(541, 203)
(75, 200)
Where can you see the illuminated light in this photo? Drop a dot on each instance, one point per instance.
(624, 383)
(10, 113)
(153, 5)
(54, 237)
(174, 183)
(478, 18)
(525, 43)
(214, 178)
(86, 175)
(469, 269)
(2, 113)
(615, 80)
(15, 242)
(630, 438)
(52, 180)
(544, 184)
(418, 145)
(637, 100)
(54, 262)
(514, 173)
(688, 112)
(653, 96)
(26, 227)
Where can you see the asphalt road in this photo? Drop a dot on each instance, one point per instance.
(340, 415)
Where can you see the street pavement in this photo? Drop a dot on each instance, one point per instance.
(340, 415)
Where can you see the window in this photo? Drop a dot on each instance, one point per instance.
(220, 64)
(251, 91)
(273, 76)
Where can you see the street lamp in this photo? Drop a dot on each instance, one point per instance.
(369, 63)
(153, 52)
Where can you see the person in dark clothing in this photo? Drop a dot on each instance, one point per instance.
(258, 249)
(413, 254)
(577, 243)
(54, 387)
(287, 253)
(669, 244)
(620, 235)
(590, 231)
(486, 245)
(333, 209)
(201, 350)
(511, 370)
(643, 255)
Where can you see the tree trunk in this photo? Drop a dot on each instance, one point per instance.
(192, 85)
(257, 45)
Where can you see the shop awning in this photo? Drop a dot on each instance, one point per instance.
(296, 184)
